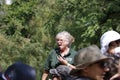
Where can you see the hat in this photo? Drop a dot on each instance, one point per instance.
(60, 70)
(19, 71)
(87, 56)
(106, 38)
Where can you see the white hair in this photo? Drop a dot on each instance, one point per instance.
(67, 36)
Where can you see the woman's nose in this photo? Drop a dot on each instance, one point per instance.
(106, 69)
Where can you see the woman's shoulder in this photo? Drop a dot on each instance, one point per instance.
(52, 52)
(73, 51)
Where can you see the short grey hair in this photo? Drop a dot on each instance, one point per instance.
(67, 35)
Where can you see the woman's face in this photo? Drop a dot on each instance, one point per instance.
(112, 46)
(96, 71)
(62, 42)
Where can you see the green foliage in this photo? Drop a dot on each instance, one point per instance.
(28, 27)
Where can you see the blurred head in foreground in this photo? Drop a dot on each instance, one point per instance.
(90, 64)
(19, 71)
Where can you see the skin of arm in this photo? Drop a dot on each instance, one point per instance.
(65, 62)
(45, 75)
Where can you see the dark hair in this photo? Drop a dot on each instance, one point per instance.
(20, 71)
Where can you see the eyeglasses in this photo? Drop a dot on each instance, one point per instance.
(102, 64)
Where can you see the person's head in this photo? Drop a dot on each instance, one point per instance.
(109, 40)
(90, 63)
(19, 71)
(64, 39)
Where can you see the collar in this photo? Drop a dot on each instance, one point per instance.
(58, 52)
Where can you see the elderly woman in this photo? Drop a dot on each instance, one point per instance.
(110, 46)
(62, 55)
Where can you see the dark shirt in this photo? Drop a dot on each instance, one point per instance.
(52, 61)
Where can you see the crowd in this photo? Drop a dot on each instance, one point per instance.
(64, 63)
(89, 63)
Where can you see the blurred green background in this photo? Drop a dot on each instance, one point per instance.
(28, 27)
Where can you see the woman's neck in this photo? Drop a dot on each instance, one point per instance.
(65, 51)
